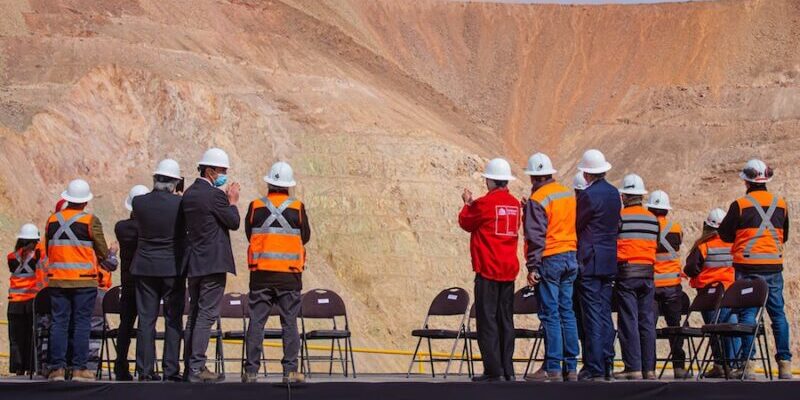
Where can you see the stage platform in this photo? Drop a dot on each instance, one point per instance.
(397, 387)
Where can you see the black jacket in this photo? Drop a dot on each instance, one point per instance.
(162, 235)
(127, 235)
(209, 218)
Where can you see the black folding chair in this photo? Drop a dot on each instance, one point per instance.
(526, 304)
(470, 335)
(102, 333)
(449, 302)
(660, 335)
(111, 305)
(744, 293)
(326, 305)
(41, 309)
(233, 306)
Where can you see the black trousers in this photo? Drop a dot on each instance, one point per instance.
(127, 317)
(578, 309)
(494, 313)
(150, 290)
(669, 302)
(205, 294)
(20, 336)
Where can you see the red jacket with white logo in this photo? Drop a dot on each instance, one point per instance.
(493, 220)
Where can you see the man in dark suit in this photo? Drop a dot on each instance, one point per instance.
(210, 214)
(597, 223)
(158, 268)
(128, 237)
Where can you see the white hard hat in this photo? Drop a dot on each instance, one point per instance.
(715, 217)
(633, 184)
(280, 175)
(594, 162)
(215, 157)
(78, 191)
(579, 181)
(137, 190)
(540, 165)
(169, 168)
(659, 200)
(28, 231)
(756, 171)
(498, 169)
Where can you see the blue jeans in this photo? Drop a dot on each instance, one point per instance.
(558, 273)
(72, 311)
(780, 327)
(731, 345)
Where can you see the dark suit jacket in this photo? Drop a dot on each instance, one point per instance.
(209, 218)
(597, 224)
(162, 235)
(128, 236)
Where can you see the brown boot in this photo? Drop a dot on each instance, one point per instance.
(628, 375)
(572, 376)
(649, 375)
(784, 369)
(543, 376)
(56, 375)
(83, 375)
(294, 377)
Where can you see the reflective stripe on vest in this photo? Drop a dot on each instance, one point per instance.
(669, 275)
(671, 254)
(718, 258)
(276, 214)
(23, 270)
(271, 255)
(554, 196)
(64, 228)
(276, 248)
(766, 224)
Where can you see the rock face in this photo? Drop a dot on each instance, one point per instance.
(387, 109)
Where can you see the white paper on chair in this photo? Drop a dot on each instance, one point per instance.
(712, 290)
(747, 291)
(452, 297)
(236, 302)
(323, 301)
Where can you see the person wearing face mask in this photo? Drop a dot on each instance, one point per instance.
(210, 214)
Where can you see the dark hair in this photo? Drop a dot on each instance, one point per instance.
(202, 170)
(24, 242)
(658, 212)
(708, 233)
(500, 184)
(596, 176)
(276, 189)
(542, 178)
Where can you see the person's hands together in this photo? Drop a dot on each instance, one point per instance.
(467, 196)
(233, 193)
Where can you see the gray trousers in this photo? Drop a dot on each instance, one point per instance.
(150, 290)
(205, 295)
(261, 302)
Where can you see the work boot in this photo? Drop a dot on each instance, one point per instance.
(294, 377)
(749, 373)
(544, 376)
(249, 377)
(56, 375)
(649, 375)
(572, 376)
(628, 375)
(784, 369)
(680, 374)
(716, 372)
(123, 376)
(83, 375)
(205, 376)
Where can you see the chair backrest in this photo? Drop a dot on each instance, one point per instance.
(746, 293)
(98, 304)
(111, 301)
(525, 302)
(41, 303)
(685, 303)
(322, 303)
(707, 298)
(233, 305)
(452, 301)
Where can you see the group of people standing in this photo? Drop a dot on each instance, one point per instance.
(596, 243)
(173, 241)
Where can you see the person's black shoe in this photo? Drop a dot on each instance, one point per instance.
(123, 376)
(510, 378)
(586, 376)
(175, 378)
(486, 378)
(150, 378)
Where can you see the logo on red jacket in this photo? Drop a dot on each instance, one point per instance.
(506, 220)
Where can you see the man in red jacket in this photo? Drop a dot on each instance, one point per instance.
(493, 222)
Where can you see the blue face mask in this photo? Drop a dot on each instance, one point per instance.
(221, 180)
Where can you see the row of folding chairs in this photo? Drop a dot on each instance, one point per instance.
(455, 302)
(743, 294)
(317, 304)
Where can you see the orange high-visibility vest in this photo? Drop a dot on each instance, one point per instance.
(717, 264)
(758, 240)
(638, 235)
(276, 249)
(559, 205)
(71, 257)
(22, 281)
(668, 264)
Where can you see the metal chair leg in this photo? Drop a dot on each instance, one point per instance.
(352, 356)
(413, 358)
(430, 357)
